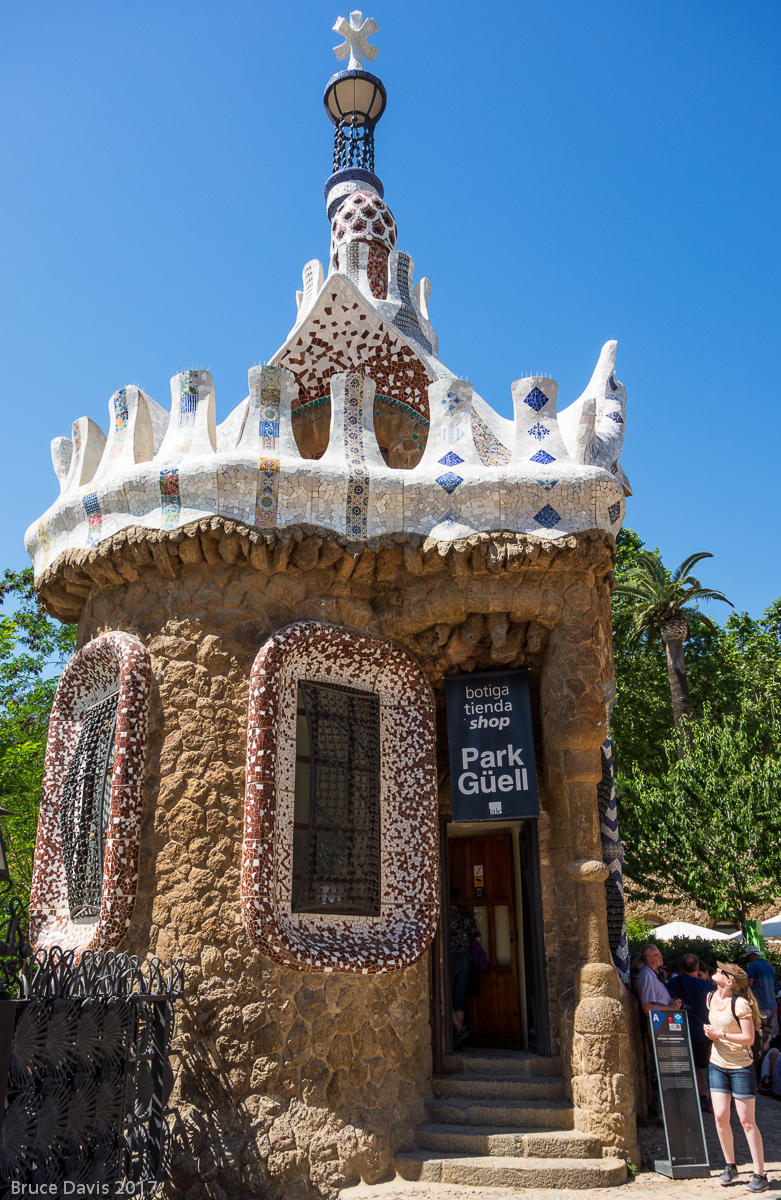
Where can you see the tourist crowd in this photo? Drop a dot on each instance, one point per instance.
(733, 1018)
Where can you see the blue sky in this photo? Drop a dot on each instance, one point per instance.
(564, 173)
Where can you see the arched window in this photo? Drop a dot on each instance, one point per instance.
(86, 850)
(341, 825)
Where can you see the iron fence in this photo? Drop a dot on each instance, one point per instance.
(84, 1067)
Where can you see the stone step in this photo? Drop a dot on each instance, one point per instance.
(500, 1062)
(510, 1172)
(508, 1143)
(508, 1114)
(510, 1087)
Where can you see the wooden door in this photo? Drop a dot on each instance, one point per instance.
(481, 868)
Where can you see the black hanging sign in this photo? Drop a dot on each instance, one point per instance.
(493, 776)
(687, 1154)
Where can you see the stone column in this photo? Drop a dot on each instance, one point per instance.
(573, 720)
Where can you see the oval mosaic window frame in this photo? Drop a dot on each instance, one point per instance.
(112, 660)
(409, 813)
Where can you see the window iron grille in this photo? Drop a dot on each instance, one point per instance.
(84, 808)
(336, 855)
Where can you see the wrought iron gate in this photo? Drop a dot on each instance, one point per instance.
(84, 1071)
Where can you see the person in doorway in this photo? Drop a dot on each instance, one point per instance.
(463, 932)
(694, 994)
(651, 992)
(734, 1020)
(762, 980)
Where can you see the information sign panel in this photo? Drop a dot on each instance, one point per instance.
(493, 776)
(687, 1154)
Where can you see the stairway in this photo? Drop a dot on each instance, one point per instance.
(500, 1119)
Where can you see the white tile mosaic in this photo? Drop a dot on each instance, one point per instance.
(363, 331)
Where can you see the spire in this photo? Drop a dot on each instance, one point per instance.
(354, 100)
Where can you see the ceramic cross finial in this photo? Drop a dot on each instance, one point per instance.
(355, 32)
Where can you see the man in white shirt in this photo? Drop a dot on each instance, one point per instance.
(651, 992)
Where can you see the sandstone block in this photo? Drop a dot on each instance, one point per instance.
(599, 1054)
(623, 1091)
(212, 656)
(267, 1038)
(168, 647)
(599, 1014)
(340, 1052)
(592, 1092)
(599, 979)
(298, 1043)
(615, 1129)
(264, 1075)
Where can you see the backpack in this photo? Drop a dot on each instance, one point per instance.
(734, 1017)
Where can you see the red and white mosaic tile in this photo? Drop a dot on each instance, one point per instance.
(363, 217)
(109, 662)
(409, 821)
(344, 334)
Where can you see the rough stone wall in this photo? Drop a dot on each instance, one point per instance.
(291, 1083)
(295, 1083)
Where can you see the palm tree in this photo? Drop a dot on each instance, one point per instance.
(659, 605)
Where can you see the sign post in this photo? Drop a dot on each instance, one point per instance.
(493, 776)
(687, 1153)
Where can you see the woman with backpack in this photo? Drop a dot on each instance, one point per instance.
(734, 1019)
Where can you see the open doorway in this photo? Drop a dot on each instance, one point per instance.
(481, 874)
(496, 875)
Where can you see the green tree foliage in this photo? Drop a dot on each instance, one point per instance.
(638, 932)
(642, 717)
(752, 658)
(705, 826)
(709, 825)
(33, 651)
(657, 604)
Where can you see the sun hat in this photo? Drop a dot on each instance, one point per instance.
(734, 971)
(755, 950)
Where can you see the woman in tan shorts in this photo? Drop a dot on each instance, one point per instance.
(734, 1017)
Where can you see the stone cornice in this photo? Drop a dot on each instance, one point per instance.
(65, 586)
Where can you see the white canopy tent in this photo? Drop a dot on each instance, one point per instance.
(771, 928)
(674, 929)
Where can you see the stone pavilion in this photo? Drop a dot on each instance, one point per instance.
(248, 756)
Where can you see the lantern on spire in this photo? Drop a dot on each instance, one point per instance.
(354, 100)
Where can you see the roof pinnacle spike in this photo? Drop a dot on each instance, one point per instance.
(354, 100)
(355, 32)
